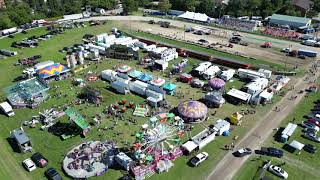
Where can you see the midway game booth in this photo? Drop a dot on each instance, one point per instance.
(29, 93)
(56, 71)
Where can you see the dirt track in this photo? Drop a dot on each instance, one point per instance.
(221, 35)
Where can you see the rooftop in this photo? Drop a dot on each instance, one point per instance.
(290, 18)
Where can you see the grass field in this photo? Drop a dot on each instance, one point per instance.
(298, 166)
(54, 148)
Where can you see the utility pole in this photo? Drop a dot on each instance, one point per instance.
(184, 32)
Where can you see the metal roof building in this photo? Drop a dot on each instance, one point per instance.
(292, 21)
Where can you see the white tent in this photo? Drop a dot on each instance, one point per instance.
(195, 16)
(297, 145)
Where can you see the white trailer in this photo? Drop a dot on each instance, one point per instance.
(256, 85)
(211, 72)
(138, 87)
(227, 75)
(287, 132)
(9, 31)
(123, 160)
(221, 126)
(202, 67)
(203, 138)
(7, 109)
(108, 75)
(151, 47)
(249, 74)
(240, 96)
(266, 72)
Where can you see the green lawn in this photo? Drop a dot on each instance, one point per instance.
(54, 148)
(304, 158)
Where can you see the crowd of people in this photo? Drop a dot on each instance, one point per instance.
(280, 32)
(239, 24)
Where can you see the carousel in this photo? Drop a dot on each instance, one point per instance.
(216, 84)
(192, 111)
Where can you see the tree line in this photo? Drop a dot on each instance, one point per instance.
(237, 8)
(18, 12)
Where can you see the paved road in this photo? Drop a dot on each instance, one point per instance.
(256, 39)
(229, 165)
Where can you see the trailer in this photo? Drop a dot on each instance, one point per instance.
(221, 126)
(108, 75)
(249, 74)
(287, 132)
(211, 72)
(120, 87)
(7, 109)
(138, 87)
(307, 53)
(9, 31)
(227, 75)
(202, 68)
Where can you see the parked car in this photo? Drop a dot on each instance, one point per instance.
(310, 125)
(52, 174)
(310, 148)
(197, 83)
(312, 137)
(29, 165)
(195, 161)
(242, 152)
(278, 171)
(314, 121)
(310, 130)
(270, 151)
(39, 159)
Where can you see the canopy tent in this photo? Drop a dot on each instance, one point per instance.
(135, 74)
(145, 77)
(170, 86)
(52, 70)
(195, 16)
(77, 118)
(124, 69)
(216, 83)
(297, 145)
(158, 82)
(192, 110)
(235, 118)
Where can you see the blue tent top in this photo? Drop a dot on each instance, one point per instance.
(145, 77)
(135, 73)
(169, 86)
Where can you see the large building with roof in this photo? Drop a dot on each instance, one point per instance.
(292, 21)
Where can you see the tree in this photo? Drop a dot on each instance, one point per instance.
(129, 6)
(164, 5)
(5, 21)
(190, 5)
(207, 6)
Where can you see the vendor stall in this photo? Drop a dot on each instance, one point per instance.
(170, 88)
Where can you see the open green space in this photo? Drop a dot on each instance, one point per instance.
(298, 165)
(54, 148)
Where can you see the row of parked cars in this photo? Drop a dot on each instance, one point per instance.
(38, 160)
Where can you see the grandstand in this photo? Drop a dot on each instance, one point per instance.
(238, 24)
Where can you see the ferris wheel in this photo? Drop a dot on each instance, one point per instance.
(158, 138)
